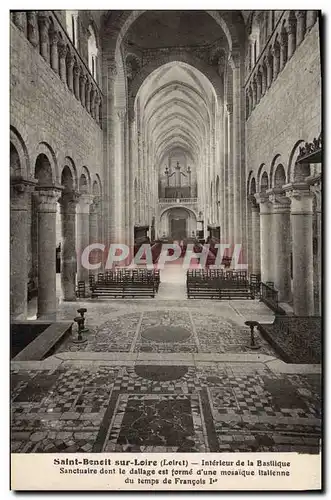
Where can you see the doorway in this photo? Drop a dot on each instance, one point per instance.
(178, 228)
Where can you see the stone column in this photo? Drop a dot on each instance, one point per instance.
(97, 108)
(239, 209)
(19, 19)
(130, 193)
(118, 192)
(82, 83)
(269, 70)
(230, 174)
(94, 231)
(32, 25)
(276, 60)
(19, 202)
(265, 240)
(258, 86)
(255, 229)
(83, 234)
(47, 206)
(254, 93)
(68, 202)
(70, 71)
(264, 78)
(43, 36)
(283, 49)
(76, 80)
(110, 172)
(316, 189)
(62, 49)
(225, 183)
(54, 51)
(302, 248)
(311, 18)
(292, 34)
(301, 26)
(88, 87)
(280, 235)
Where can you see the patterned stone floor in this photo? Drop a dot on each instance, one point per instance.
(165, 377)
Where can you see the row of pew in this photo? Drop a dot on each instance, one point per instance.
(221, 284)
(125, 283)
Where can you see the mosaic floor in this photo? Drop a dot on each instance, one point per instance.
(165, 377)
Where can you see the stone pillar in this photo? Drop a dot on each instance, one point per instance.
(230, 174)
(254, 93)
(43, 36)
(76, 80)
(19, 202)
(70, 71)
(47, 206)
(283, 49)
(264, 79)
(88, 87)
(82, 83)
(68, 202)
(265, 240)
(302, 248)
(225, 183)
(269, 70)
(255, 231)
(258, 86)
(301, 26)
(94, 232)
(280, 235)
(250, 101)
(93, 97)
(276, 60)
(32, 27)
(131, 183)
(83, 234)
(54, 51)
(316, 189)
(19, 19)
(292, 34)
(110, 173)
(239, 184)
(97, 108)
(118, 195)
(62, 49)
(311, 18)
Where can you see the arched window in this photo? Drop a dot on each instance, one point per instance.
(72, 26)
(92, 52)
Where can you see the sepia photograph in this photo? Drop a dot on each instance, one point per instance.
(165, 249)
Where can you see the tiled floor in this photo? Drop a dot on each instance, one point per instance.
(162, 376)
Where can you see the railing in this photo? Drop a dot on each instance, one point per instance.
(46, 34)
(170, 201)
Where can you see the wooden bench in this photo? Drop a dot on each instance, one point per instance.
(126, 283)
(46, 342)
(218, 284)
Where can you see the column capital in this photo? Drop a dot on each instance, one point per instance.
(95, 205)
(301, 198)
(70, 58)
(76, 68)
(54, 37)
(84, 202)
(263, 200)
(62, 49)
(252, 202)
(68, 201)
(47, 198)
(292, 23)
(112, 69)
(121, 113)
(235, 58)
(20, 189)
(279, 200)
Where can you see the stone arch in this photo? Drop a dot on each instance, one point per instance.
(69, 164)
(45, 149)
(190, 210)
(261, 171)
(276, 159)
(22, 161)
(253, 186)
(67, 179)
(296, 172)
(85, 181)
(280, 176)
(97, 181)
(43, 170)
(185, 57)
(249, 178)
(264, 182)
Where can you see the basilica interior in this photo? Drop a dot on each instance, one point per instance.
(152, 128)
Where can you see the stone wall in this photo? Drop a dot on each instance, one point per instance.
(42, 109)
(290, 111)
